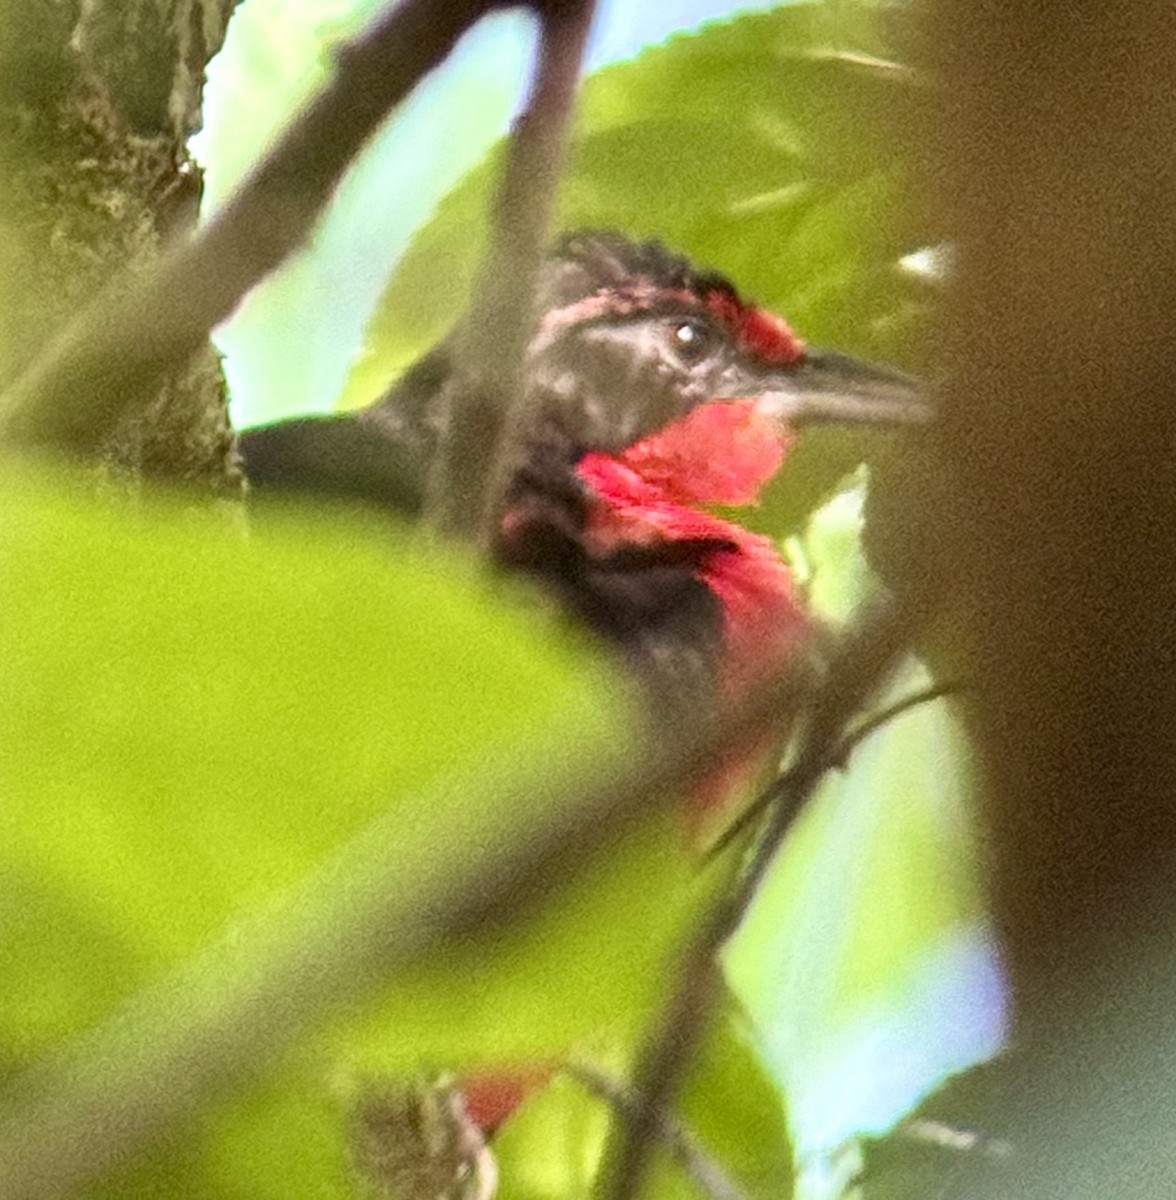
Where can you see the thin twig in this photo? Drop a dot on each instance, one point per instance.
(485, 398)
(702, 1170)
(838, 757)
(115, 352)
(869, 653)
(883, 717)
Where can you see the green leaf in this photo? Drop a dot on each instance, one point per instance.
(594, 963)
(749, 146)
(199, 716)
(194, 721)
(551, 1149)
(733, 1108)
(281, 1135)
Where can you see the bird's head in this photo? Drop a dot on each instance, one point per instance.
(655, 392)
(632, 336)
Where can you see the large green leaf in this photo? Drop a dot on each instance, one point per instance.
(194, 721)
(752, 147)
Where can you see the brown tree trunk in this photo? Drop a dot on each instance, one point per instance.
(97, 99)
(1057, 170)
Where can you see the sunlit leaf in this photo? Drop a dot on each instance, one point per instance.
(551, 1149)
(193, 720)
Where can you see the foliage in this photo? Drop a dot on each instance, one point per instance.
(193, 777)
(197, 721)
(749, 147)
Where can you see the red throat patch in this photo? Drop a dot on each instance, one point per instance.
(722, 452)
(719, 453)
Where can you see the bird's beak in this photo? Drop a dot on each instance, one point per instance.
(827, 387)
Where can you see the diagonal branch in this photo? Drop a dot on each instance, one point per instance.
(485, 398)
(871, 650)
(116, 351)
(703, 1171)
(778, 790)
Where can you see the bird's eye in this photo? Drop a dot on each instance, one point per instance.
(691, 341)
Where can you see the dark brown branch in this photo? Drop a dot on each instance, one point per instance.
(485, 399)
(118, 349)
(884, 716)
(870, 652)
(702, 1170)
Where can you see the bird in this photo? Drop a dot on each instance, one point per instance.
(655, 392)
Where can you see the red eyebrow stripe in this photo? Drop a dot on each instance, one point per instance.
(759, 332)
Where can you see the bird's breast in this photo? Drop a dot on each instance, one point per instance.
(764, 620)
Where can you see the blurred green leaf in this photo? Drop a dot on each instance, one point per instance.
(193, 721)
(733, 1109)
(593, 964)
(195, 715)
(280, 1136)
(730, 1109)
(551, 1149)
